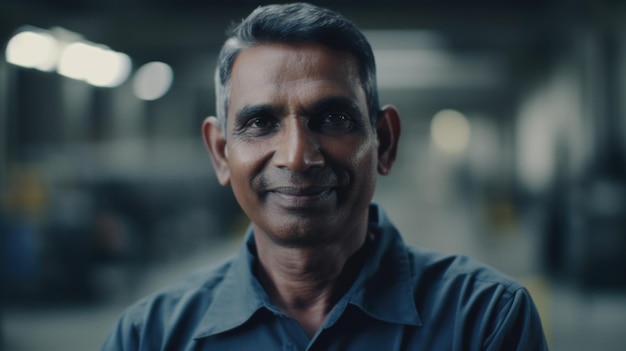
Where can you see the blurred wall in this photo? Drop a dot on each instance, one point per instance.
(95, 176)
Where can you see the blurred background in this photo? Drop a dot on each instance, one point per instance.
(512, 152)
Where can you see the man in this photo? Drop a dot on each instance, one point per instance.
(300, 138)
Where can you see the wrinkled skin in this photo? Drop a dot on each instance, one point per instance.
(299, 150)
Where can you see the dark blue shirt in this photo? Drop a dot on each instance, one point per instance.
(403, 299)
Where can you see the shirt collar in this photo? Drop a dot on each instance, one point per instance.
(239, 295)
(383, 289)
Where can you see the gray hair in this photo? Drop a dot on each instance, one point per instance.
(293, 24)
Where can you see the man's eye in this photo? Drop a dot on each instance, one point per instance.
(337, 120)
(257, 126)
(259, 123)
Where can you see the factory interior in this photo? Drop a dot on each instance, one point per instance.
(513, 152)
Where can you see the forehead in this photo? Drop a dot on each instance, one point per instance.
(275, 71)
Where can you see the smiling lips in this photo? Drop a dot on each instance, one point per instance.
(303, 197)
(311, 191)
(300, 191)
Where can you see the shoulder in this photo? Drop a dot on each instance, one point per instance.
(438, 269)
(197, 289)
(462, 288)
(485, 307)
(169, 314)
(433, 270)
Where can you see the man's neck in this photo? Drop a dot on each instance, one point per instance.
(306, 283)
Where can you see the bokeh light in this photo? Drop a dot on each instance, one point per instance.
(32, 49)
(450, 131)
(96, 65)
(152, 80)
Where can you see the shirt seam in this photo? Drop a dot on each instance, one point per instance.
(507, 304)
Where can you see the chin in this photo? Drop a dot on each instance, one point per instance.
(302, 233)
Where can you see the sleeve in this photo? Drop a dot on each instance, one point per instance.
(517, 326)
(123, 337)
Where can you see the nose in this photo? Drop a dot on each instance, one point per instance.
(298, 147)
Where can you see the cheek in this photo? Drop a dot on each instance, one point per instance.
(245, 162)
(364, 158)
(238, 162)
(243, 155)
(359, 160)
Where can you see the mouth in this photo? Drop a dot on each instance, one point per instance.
(302, 191)
(303, 197)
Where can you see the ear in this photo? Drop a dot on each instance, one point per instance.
(215, 143)
(388, 133)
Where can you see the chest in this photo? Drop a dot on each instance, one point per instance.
(352, 332)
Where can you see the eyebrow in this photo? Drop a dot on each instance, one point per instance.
(333, 102)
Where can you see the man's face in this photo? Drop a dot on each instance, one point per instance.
(301, 155)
